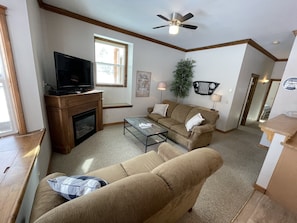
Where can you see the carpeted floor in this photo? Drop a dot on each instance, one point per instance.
(223, 194)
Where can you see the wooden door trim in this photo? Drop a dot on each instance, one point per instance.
(265, 98)
(252, 89)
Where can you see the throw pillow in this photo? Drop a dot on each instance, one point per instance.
(160, 109)
(75, 186)
(195, 120)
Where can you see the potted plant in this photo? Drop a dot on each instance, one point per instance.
(182, 78)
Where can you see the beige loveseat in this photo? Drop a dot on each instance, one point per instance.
(177, 116)
(153, 187)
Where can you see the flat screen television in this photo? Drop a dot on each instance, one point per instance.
(73, 73)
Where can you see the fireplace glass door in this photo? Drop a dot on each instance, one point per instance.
(84, 125)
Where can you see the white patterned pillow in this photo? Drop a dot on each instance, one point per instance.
(160, 109)
(195, 120)
(75, 186)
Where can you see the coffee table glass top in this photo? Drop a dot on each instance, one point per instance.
(137, 122)
(146, 131)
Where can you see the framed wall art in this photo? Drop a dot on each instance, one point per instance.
(143, 83)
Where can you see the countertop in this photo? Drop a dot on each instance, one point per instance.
(283, 125)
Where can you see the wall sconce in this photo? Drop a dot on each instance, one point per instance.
(265, 81)
(215, 98)
(162, 87)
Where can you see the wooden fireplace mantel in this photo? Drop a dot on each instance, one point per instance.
(61, 109)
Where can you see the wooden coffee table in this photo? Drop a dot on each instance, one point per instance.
(148, 135)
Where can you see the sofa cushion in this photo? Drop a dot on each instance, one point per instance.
(171, 106)
(110, 174)
(195, 120)
(181, 130)
(209, 115)
(168, 152)
(154, 117)
(168, 122)
(160, 109)
(142, 163)
(75, 186)
(180, 112)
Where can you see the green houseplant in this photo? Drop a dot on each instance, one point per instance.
(183, 78)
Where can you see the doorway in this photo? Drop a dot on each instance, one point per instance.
(269, 99)
(248, 101)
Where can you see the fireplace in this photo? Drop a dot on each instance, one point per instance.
(84, 125)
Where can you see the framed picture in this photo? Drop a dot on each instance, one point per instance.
(143, 83)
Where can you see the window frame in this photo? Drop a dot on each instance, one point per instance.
(8, 65)
(125, 76)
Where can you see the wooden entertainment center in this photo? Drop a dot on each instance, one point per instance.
(61, 111)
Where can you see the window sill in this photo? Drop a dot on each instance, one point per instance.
(119, 105)
(18, 154)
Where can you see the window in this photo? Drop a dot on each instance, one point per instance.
(111, 63)
(7, 119)
(11, 114)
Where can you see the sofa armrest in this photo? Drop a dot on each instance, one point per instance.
(167, 151)
(203, 128)
(150, 109)
(46, 198)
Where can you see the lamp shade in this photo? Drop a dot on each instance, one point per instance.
(216, 97)
(162, 86)
(173, 29)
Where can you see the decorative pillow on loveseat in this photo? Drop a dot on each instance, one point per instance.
(195, 120)
(75, 186)
(160, 109)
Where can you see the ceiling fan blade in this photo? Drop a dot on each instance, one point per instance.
(188, 26)
(187, 16)
(163, 17)
(157, 27)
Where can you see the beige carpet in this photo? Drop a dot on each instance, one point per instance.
(223, 194)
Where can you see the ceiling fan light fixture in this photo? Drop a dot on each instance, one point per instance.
(173, 29)
(176, 21)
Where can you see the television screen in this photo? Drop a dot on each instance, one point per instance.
(72, 73)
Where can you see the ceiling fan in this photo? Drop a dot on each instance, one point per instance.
(176, 21)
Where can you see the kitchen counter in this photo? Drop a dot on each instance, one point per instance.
(280, 130)
(278, 176)
(280, 124)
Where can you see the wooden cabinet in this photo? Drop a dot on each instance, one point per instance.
(283, 183)
(278, 175)
(60, 113)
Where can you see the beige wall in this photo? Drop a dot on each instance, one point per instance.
(231, 67)
(76, 38)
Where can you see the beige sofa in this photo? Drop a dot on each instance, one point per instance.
(153, 187)
(177, 116)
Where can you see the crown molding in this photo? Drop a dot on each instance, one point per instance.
(101, 24)
(118, 29)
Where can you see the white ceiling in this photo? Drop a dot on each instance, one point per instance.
(219, 21)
